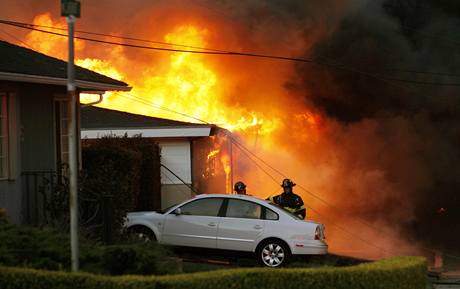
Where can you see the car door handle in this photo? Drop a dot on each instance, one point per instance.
(258, 227)
(212, 224)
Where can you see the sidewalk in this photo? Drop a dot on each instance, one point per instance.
(447, 280)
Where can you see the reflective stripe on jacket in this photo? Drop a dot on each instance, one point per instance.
(290, 202)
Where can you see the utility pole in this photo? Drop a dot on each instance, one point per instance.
(231, 164)
(71, 9)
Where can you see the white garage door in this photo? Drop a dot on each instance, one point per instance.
(176, 157)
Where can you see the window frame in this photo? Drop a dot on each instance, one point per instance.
(262, 212)
(219, 212)
(4, 137)
(60, 106)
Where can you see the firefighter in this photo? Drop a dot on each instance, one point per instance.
(240, 188)
(288, 200)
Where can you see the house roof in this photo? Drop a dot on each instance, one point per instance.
(97, 122)
(25, 65)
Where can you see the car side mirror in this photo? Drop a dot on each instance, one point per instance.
(177, 212)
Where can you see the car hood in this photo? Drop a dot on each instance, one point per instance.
(146, 213)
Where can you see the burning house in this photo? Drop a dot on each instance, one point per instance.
(192, 156)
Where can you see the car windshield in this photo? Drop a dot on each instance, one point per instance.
(288, 212)
(163, 211)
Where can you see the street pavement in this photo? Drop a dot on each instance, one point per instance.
(447, 280)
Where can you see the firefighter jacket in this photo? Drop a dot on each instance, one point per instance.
(291, 202)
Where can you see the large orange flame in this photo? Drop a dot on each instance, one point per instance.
(184, 83)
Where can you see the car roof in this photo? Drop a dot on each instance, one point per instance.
(233, 196)
(244, 197)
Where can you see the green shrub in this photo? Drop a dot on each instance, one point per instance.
(107, 190)
(47, 248)
(120, 174)
(38, 248)
(394, 273)
(145, 170)
(144, 259)
(3, 216)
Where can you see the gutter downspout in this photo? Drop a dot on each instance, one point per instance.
(101, 98)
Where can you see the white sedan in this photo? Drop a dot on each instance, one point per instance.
(232, 222)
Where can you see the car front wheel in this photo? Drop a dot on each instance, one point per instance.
(141, 233)
(273, 253)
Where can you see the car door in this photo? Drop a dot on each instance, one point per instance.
(241, 226)
(196, 226)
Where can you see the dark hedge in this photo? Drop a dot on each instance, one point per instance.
(394, 273)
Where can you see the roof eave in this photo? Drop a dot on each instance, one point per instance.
(81, 84)
(177, 132)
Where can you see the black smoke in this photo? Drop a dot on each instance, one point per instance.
(411, 41)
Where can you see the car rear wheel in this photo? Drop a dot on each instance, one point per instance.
(141, 233)
(273, 253)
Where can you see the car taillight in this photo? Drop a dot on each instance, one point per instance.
(317, 234)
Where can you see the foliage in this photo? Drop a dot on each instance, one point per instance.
(107, 189)
(145, 169)
(57, 201)
(119, 174)
(48, 248)
(144, 259)
(38, 248)
(3, 216)
(394, 273)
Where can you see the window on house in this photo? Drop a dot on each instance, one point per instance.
(62, 133)
(3, 135)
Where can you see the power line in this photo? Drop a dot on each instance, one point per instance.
(257, 164)
(245, 54)
(331, 223)
(425, 34)
(181, 45)
(160, 48)
(140, 100)
(334, 207)
(424, 72)
(303, 188)
(389, 80)
(241, 147)
(172, 182)
(179, 178)
(15, 38)
(14, 23)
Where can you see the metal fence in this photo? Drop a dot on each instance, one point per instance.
(38, 188)
(46, 203)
